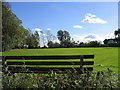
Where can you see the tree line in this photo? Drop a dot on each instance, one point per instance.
(15, 36)
(66, 41)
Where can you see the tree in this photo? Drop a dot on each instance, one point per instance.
(11, 32)
(117, 36)
(48, 35)
(37, 39)
(105, 41)
(94, 43)
(64, 38)
(20, 41)
(32, 40)
(63, 35)
(117, 33)
(56, 44)
(50, 44)
(60, 35)
(53, 45)
(43, 37)
(81, 44)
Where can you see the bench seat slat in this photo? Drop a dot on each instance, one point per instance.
(47, 69)
(52, 63)
(50, 57)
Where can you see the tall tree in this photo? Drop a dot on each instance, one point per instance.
(60, 35)
(48, 35)
(117, 36)
(14, 35)
(117, 33)
(37, 39)
(32, 40)
(64, 38)
(20, 41)
(10, 31)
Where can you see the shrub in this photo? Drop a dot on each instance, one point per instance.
(69, 80)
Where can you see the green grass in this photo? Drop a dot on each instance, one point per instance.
(106, 57)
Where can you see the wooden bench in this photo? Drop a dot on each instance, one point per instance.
(15, 68)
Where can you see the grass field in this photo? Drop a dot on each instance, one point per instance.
(106, 57)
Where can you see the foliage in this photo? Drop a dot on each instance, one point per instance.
(14, 35)
(117, 36)
(105, 41)
(117, 33)
(94, 43)
(64, 38)
(10, 30)
(32, 40)
(53, 45)
(70, 81)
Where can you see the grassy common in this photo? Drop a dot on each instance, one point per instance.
(106, 57)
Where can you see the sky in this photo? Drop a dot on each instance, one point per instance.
(85, 21)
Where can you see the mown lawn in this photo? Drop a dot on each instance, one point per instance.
(106, 57)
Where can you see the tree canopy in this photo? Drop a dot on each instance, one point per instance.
(117, 36)
(14, 35)
(64, 38)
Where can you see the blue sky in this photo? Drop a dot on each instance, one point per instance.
(85, 21)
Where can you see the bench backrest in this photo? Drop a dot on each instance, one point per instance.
(43, 66)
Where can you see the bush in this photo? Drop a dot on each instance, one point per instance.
(70, 80)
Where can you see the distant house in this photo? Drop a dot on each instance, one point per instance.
(111, 42)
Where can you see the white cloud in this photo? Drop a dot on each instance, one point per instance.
(93, 37)
(39, 33)
(37, 29)
(77, 26)
(48, 29)
(45, 35)
(90, 18)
